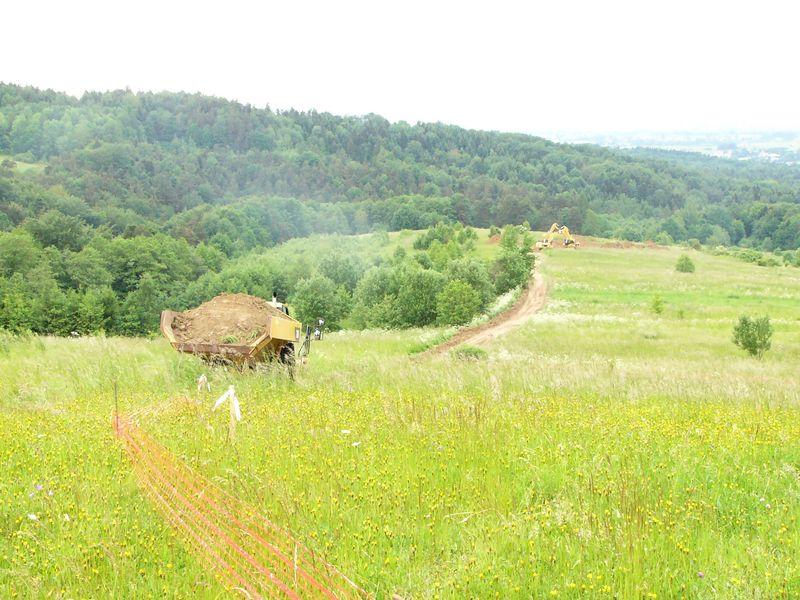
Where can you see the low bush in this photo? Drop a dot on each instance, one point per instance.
(684, 264)
(657, 305)
(753, 335)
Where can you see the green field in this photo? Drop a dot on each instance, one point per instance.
(21, 166)
(601, 450)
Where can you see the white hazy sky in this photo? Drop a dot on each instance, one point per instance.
(533, 67)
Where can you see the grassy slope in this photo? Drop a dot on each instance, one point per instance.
(23, 167)
(484, 248)
(369, 248)
(600, 450)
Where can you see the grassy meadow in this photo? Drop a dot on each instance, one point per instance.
(602, 450)
(21, 166)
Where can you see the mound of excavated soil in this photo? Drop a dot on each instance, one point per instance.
(226, 319)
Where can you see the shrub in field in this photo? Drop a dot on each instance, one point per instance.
(381, 236)
(663, 239)
(753, 335)
(457, 303)
(469, 353)
(657, 305)
(5, 341)
(441, 232)
(684, 264)
(747, 254)
(768, 261)
(424, 260)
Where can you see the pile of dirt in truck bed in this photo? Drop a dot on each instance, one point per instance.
(226, 319)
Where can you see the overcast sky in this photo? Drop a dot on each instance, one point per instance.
(532, 67)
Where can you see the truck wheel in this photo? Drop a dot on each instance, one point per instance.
(286, 356)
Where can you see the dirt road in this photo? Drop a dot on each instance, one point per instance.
(532, 300)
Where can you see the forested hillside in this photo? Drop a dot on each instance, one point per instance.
(140, 160)
(118, 194)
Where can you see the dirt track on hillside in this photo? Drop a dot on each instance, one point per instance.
(532, 300)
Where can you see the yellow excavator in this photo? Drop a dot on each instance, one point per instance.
(555, 228)
(568, 239)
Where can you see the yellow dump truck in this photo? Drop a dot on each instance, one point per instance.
(234, 328)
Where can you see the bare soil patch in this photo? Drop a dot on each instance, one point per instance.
(597, 243)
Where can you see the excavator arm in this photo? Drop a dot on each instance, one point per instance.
(568, 239)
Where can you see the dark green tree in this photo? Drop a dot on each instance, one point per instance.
(457, 303)
(514, 265)
(319, 297)
(475, 273)
(19, 253)
(53, 228)
(142, 308)
(415, 305)
(342, 270)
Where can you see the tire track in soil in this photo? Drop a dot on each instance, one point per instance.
(243, 549)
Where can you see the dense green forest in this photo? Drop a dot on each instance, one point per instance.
(119, 201)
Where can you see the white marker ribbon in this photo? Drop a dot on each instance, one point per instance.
(230, 394)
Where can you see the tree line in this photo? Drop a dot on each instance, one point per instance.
(435, 283)
(120, 286)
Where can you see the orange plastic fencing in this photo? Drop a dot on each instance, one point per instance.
(244, 550)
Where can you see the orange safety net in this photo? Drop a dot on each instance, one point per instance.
(244, 550)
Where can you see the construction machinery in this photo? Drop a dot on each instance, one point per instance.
(568, 239)
(556, 229)
(547, 240)
(274, 337)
